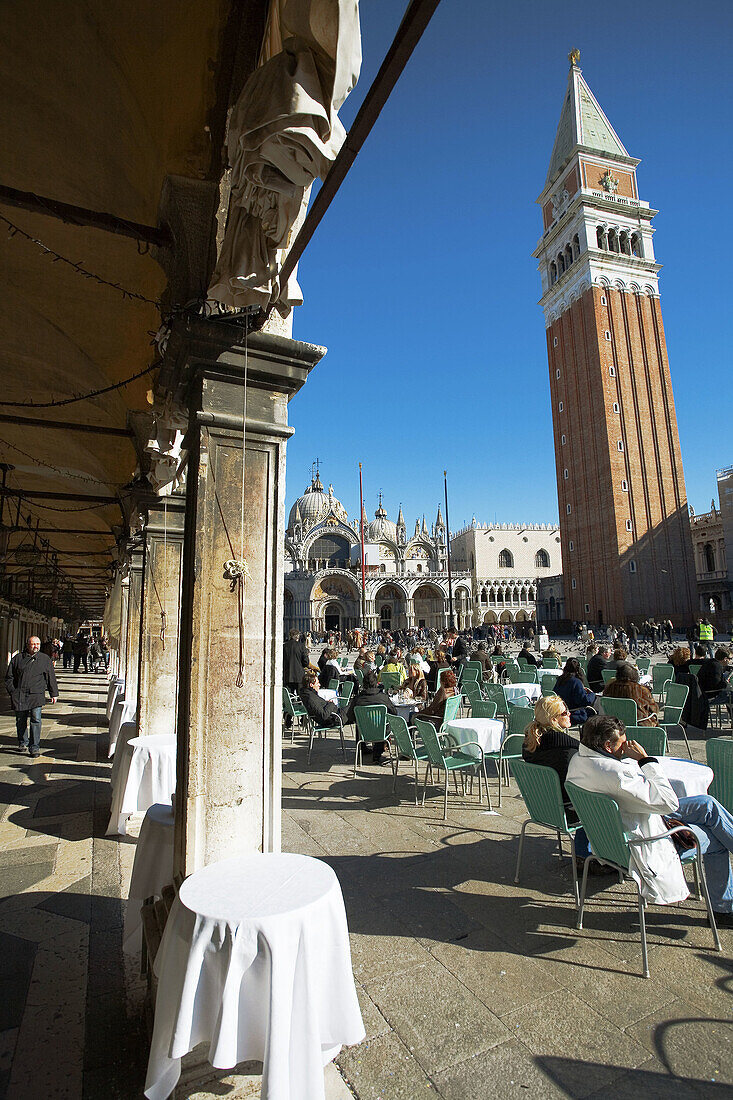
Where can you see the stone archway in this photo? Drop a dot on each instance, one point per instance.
(490, 617)
(428, 602)
(389, 602)
(341, 594)
(506, 617)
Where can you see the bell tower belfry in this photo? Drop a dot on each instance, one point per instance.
(624, 523)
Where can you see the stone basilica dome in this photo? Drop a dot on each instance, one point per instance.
(381, 528)
(315, 504)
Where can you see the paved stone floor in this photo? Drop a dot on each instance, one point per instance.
(471, 987)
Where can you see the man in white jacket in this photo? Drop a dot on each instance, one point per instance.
(610, 764)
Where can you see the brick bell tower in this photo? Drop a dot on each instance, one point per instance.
(624, 522)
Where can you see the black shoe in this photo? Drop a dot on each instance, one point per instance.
(22, 746)
(34, 754)
(724, 920)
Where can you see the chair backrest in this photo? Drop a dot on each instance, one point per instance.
(519, 719)
(495, 694)
(390, 680)
(675, 697)
(512, 745)
(583, 662)
(511, 666)
(452, 707)
(529, 676)
(540, 788)
(719, 754)
(481, 709)
(288, 707)
(472, 689)
(523, 663)
(359, 677)
(333, 685)
(429, 738)
(551, 662)
(471, 673)
(371, 722)
(601, 819)
(401, 734)
(548, 685)
(346, 690)
(625, 709)
(343, 662)
(608, 674)
(694, 669)
(474, 664)
(651, 738)
(438, 676)
(660, 674)
(378, 660)
(643, 663)
(497, 660)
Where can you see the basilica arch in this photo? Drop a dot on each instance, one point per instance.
(335, 602)
(390, 605)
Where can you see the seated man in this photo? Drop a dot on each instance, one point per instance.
(322, 712)
(481, 655)
(596, 664)
(606, 762)
(533, 658)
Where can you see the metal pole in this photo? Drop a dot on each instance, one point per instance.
(451, 621)
(361, 529)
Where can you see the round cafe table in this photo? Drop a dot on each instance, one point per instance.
(147, 774)
(486, 731)
(686, 777)
(123, 711)
(255, 962)
(116, 687)
(405, 707)
(151, 871)
(517, 693)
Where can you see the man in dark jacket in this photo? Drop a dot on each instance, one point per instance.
(295, 662)
(533, 658)
(29, 675)
(596, 664)
(323, 712)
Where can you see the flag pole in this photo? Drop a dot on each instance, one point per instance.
(451, 621)
(361, 529)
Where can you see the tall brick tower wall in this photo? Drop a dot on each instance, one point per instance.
(624, 521)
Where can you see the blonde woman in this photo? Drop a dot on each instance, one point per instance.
(548, 743)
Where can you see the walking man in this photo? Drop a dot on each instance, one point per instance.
(30, 674)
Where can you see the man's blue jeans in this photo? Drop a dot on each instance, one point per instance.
(713, 826)
(21, 724)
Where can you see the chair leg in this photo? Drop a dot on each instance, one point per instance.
(687, 743)
(642, 924)
(445, 797)
(486, 783)
(581, 905)
(575, 869)
(696, 876)
(416, 782)
(499, 767)
(357, 754)
(711, 915)
(395, 770)
(559, 843)
(428, 771)
(341, 735)
(521, 849)
(310, 743)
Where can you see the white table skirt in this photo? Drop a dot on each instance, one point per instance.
(686, 777)
(406, 707)
(328, 695)
(151, 871)
(514, 692)
(116, 687)
(255, 961)
(487, 731)
(147, 774)
(123, 711)
(555, 672)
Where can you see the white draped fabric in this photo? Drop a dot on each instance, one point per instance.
(255, 962)
(112, 616)
(147, 774)
(284, 132)
(151, 871)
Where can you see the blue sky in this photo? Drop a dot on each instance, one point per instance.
(420, 279)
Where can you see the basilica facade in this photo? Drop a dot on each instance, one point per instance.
(406, 573)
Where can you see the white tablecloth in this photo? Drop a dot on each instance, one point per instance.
(686, 777)
(328, 694)
(116, 687)
(255, 961)
(405, 707)
(123, 711)
(515, 692)
(555, 672)
(151, 871)
(147, 774)
(487, 731)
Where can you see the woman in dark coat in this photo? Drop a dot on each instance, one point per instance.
(626, 686)
(574, 694)
(696, 710)
(436, 710)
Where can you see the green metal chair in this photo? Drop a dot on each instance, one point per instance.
(694, 669)
(295, 709)
(651, 738)
(494, 693)
(608, 674)
(601, 818)
(471, 673)
(371, 724)
(583, 662)
(540, 788)
(719, 755)
(333, 685)
(452, 710)
(481, 709)
(390, 680)
(404, 746)
(378, 660)
(511, 667)
(346, 690)
(472, 692)
(511, 749)
(551, 662)
(660, 675)
(438, 676)
(359, 678)
(625, 709)
(450, 761)
(477, 666)
(548, 685)
(314, 730)
(524, 664)
(643, 663)
(526, 677)
(675, 697)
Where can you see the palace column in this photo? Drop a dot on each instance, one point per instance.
(134, 613)
(161, 595)
(229, 717)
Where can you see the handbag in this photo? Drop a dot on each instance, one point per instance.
(683, 840)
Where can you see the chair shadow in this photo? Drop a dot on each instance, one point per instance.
(576, 1079)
